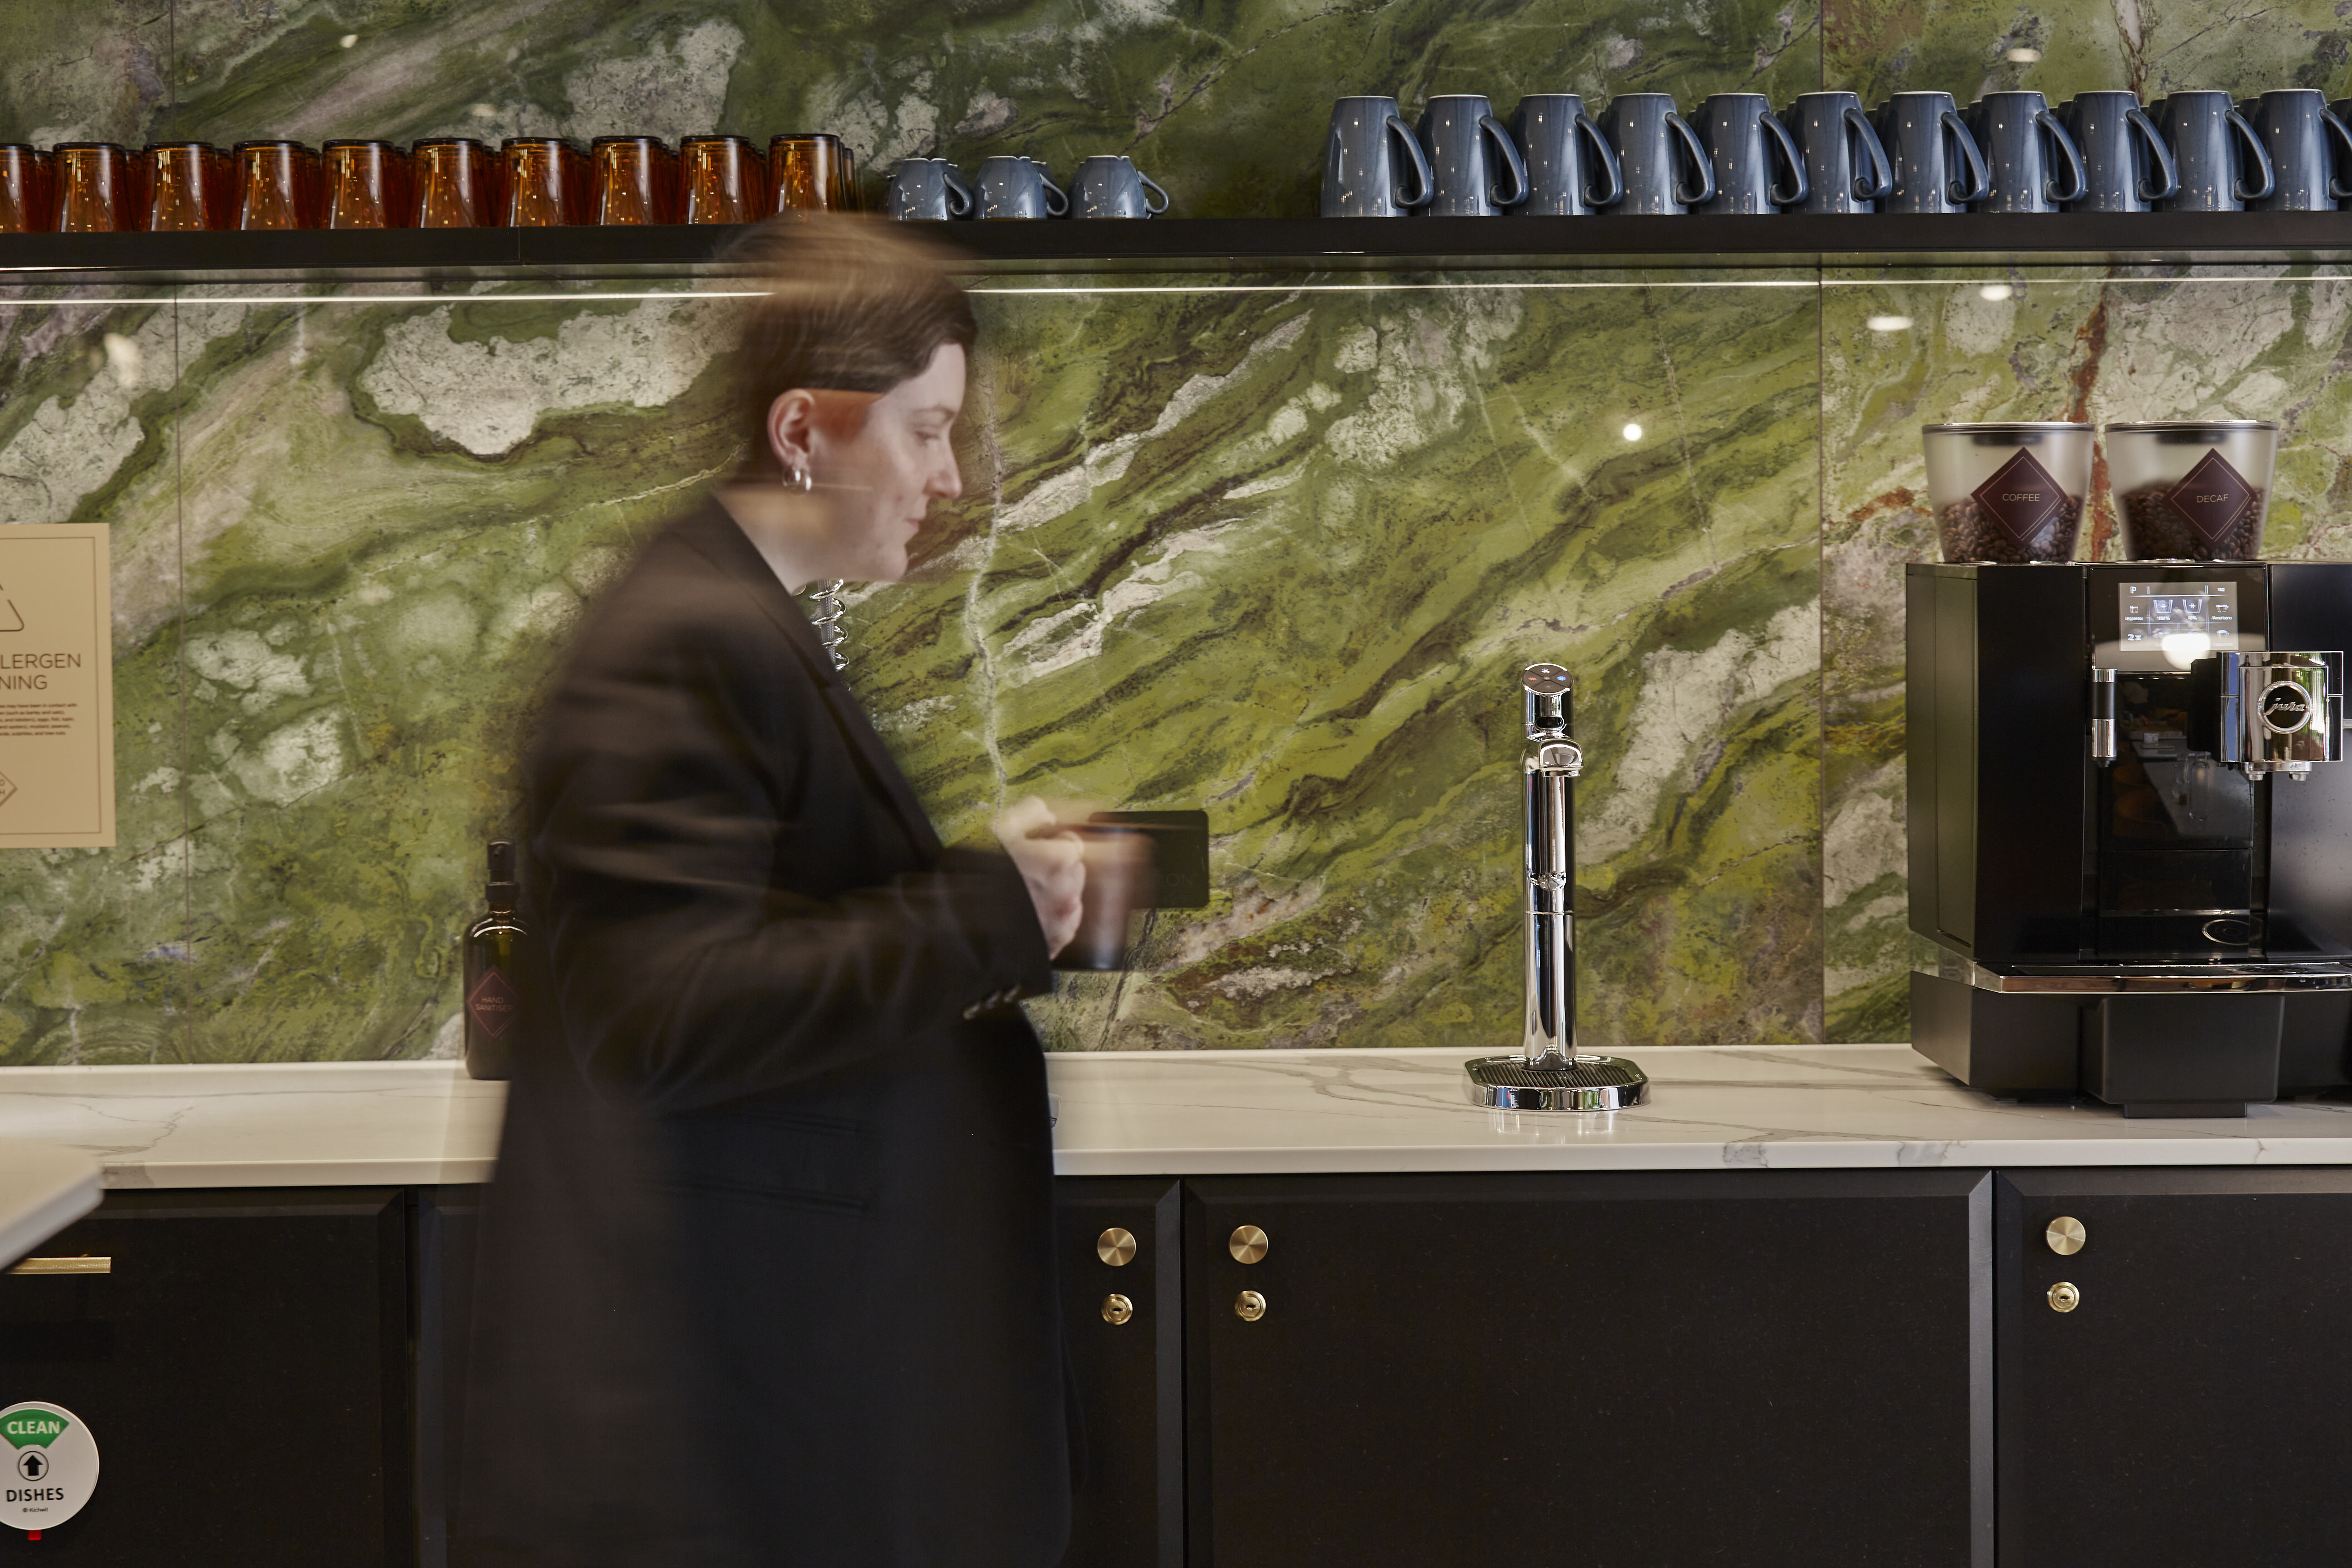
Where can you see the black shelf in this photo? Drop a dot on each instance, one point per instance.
(1779, 242)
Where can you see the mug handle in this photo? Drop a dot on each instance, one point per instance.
(1881, 184)
(1979, 181)
(958, 192)
(2261, 156)
(1789, 156)
(2343, 135)
(1699, 160)
(1606, 157)
(1054, 193)
(1511, 160)
(1414, 155)
(2137, 118)
(1148, 185)
(2065, 144)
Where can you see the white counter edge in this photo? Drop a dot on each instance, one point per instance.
(43, 1189)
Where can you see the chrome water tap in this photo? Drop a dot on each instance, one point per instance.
(1550, 1073)
(1549, 1039)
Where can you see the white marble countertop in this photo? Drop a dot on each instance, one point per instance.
(1191, 1113)
(1801, 1108)
(280, 1125)
(43, 1189)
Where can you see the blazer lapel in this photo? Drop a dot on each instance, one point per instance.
(713, 533)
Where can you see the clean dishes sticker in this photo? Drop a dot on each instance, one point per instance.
(52, 1465)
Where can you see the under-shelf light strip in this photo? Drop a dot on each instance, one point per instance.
(591, 296)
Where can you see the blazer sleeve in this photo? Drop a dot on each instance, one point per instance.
(673, 826)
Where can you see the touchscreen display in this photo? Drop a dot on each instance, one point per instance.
(2180, 621)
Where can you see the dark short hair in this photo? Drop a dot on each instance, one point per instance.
(853, 304)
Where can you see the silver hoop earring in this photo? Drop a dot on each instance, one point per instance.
(799, 479)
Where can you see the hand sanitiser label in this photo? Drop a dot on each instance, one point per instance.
(51, 1465)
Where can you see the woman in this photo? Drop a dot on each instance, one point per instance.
(766, 1273)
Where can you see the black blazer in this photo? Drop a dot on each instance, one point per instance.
(766, 1274)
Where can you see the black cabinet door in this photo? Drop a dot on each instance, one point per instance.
(448, 1226)
(1125, 1366)
(1647, 1367)
(2192, 1406)
(1126, 1388)
(244, 1370)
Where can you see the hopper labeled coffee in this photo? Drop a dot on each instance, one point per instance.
(2007, 492)
(2022, 499)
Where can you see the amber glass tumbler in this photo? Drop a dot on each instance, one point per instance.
(366, 185)
(185, 185)
(635, 181)
(277, 186)
(456, 182)
(541, 181)
(97, 188)
(722, 180)
(27, 204)
(810, 171)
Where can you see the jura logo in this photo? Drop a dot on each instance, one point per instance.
(2285, 708)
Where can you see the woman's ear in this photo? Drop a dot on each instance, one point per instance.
(791, 421)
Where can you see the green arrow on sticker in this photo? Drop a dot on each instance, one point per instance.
(33, 1428)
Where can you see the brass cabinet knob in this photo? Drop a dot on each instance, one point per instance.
(1248, 1244)
(1116, 1309)
(2064, 1297)
(1249, 1306)
(2065, 1236)
(1116, 1247)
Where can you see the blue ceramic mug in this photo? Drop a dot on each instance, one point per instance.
(1366, 156)
(1468, 152)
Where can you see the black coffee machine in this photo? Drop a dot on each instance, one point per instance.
(2131, 830)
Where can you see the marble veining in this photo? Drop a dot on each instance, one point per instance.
(1265, 545)
(1193, 1113)
(313, 1123)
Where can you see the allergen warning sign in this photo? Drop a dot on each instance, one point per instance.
(57, 687)
(49, 1465)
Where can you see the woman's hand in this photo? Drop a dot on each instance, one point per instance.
(1052, 859)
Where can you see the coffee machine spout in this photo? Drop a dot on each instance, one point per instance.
(2271, 712)
(1550, 1073)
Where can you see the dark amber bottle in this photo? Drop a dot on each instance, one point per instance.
(494, 998)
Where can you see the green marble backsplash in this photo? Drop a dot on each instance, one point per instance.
(1272, 547)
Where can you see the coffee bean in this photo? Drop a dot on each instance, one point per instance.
(1968, 534)
(2156, 530)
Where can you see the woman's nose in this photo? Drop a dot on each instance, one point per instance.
(947, 479)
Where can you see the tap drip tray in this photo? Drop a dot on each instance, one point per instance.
(1589, 1083)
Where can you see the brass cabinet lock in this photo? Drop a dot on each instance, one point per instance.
(1116, 1309)
(2064, 1297)
(1249, 1306)
(1247, 1243)
(2065, 1236)
(1116, 1247)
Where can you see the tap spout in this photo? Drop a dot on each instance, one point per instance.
(1553, 762)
